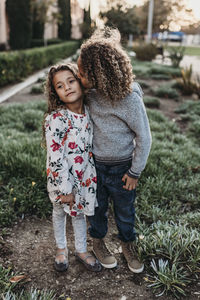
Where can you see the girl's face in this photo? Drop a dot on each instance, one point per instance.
(67, 87)
(81, 75)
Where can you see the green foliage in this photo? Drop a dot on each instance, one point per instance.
(85, 27)
(176, 54)
(5, 285)
(37, 89)
(20, 23)
(190, 113)
(166, 92)
(123, 19)
(64, 26)
(186, 83)
(151, 102)
(22, 162)
(32, 295)
(145, 52)
(16, 65)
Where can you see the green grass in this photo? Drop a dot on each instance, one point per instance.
(167, 204)
(189, 50)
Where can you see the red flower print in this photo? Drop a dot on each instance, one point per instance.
(78, 159)
(88, 181)
(86, 126)
(80, 206)
(55, 146)
(55, 174)
(48, 172)
(72, 145)
(83, 184)
(64, 139)
(73, 213)
(76, 117)
(58, 114)
(79, 174)
(94, 179)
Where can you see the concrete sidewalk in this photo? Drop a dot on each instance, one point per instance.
(10, 91)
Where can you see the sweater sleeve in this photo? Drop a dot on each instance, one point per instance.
(139, 124)
(56, 129)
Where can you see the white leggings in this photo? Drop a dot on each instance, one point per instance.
(79, 226)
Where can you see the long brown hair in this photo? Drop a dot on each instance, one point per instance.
(53, 101)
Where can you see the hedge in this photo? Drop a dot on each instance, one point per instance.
(17, 65)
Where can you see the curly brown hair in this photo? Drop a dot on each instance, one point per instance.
(106, 65)
(53, 101)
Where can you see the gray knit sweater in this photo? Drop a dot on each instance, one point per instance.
(121, 130)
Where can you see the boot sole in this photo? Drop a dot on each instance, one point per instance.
(136, 270)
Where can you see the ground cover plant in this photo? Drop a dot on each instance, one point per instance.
(168, 198)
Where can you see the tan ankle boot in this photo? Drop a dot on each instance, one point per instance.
(103, 255)
(131, 257)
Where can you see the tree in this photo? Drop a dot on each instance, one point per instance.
(86, 26)
(39, 12)
(123, 18)
(64, 25)
(165, 12)
(20, 23)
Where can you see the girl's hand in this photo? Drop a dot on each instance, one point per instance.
(130, 183)
(69, 199)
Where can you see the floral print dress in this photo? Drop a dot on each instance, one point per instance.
(70, 164)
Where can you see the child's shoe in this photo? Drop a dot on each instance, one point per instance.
(63, 265)
(103, 255)
(94, 266)
(131, 257)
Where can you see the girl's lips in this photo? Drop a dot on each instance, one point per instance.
(70, 94)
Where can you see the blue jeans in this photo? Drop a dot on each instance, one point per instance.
(110, 185)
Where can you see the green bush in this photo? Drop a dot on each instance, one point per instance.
(145, 52)
(151, 102)
(17, 65)
(166, 92)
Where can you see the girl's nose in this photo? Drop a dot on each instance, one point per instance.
(67, 87)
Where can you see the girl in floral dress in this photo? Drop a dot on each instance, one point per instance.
(71, 175)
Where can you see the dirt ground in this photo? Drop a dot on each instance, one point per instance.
(29, 248)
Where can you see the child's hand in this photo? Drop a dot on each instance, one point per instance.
(130, 183)
(69, 199)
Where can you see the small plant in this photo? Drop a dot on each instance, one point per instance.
(32, 295)
(151, 102)
(176, 54)
(168, 279)
(166, 92)
(37, 89)
(186, 83)
(145, 52)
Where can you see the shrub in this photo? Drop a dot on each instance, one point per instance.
(16, 65)
(166, 92)
(176, 54)
(151, 102)
(146, 52)
(37, 89)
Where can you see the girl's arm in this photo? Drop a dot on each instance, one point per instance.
(57, 168)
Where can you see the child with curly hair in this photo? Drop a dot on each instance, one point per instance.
(121, 143)
(71, 174)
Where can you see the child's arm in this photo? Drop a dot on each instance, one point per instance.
(57, 167)
(138, 122)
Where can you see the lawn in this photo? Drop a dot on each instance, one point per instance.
(168, 197)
